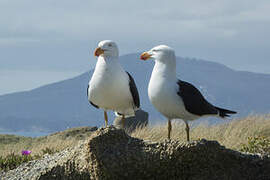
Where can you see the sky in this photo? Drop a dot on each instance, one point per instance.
(44, 41)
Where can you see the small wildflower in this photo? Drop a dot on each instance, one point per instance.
(26, 152)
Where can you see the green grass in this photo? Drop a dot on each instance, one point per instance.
(12, 160)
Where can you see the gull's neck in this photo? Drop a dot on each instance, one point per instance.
(108, 62)
(108, 67)
(164, 70)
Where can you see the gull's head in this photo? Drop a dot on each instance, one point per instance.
(107, 48)
(160, 53)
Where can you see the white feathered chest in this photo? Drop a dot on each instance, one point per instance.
(109, 86)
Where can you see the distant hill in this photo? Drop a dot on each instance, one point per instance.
(64, 104)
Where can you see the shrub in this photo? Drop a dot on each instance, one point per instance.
(258, 144)
(12, 160)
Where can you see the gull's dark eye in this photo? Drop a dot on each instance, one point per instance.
(154, 50)
(110, 45)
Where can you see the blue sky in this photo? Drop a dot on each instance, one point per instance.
(47, 41)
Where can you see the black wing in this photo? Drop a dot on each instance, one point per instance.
(134, 91)
(89, 100)
(194, 101)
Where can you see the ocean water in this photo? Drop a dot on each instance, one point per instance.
(27, 134)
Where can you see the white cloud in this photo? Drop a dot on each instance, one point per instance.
(80, 19)
(192, 27)
(60, 35)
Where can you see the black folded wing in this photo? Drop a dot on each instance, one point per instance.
(134, 91)
(194, 101)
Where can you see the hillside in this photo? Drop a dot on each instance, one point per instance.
(232, 134)
(55, 142)
(62, 105)
(110, 153)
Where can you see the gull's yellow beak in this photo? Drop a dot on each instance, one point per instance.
(98, 51)
(144, 56)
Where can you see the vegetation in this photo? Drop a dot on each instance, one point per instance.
(258, 144)
(232, 134)
(11, 146)
(58, 141)
(250, 134)
(12, 160)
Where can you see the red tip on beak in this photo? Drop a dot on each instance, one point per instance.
(98, 51)
(144, 56)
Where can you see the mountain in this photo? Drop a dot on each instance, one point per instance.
(64, 104)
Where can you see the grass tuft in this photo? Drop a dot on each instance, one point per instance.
(232, 134)
(12, 160)
(258, 144)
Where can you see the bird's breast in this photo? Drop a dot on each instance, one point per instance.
(163, 95)
(110, 89)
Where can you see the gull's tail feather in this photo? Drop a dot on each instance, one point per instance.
(225, 112)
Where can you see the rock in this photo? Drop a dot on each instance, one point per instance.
(112, 154)
(115, 155)
(140, 120)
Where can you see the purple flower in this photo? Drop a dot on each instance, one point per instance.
(26, 152)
